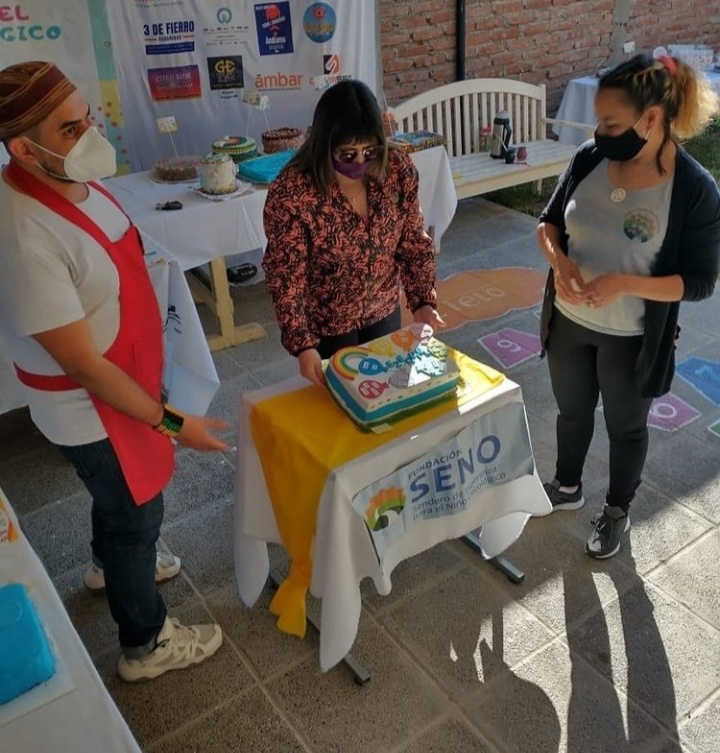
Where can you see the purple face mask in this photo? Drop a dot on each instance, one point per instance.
(352, 170)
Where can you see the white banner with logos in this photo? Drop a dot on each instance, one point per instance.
(493, 450)
(199, 60)
(72, 34)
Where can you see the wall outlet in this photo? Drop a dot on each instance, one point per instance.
(629, 48)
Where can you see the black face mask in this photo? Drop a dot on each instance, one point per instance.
(620, 148)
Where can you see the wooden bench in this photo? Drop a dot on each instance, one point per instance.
(460, 110)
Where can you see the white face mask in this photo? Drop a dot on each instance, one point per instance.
(92, 158)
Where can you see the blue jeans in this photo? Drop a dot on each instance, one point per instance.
(123, 543)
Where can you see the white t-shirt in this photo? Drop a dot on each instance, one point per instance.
(623, 238)
(52, 273)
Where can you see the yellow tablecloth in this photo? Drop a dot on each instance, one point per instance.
(301, 437)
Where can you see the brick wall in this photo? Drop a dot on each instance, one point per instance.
(539, 41)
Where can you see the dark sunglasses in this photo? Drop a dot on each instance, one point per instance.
(369, 154)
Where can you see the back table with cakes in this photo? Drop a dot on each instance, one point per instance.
(410, 443)
(218, 232)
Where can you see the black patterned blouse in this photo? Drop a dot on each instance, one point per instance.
(328, 270)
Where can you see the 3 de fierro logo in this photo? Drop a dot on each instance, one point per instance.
(226, 72)
(274, 28)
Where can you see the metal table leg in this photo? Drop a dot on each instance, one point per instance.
(513, 573)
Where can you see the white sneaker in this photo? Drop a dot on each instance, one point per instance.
(166, 566)
(176, 647)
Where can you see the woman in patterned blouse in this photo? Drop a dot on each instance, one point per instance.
(344, 232)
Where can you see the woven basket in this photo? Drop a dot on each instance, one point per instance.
(281, 139)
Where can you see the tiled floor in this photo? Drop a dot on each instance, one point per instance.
(583, 657)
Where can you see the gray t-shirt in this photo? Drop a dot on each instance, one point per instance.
(605, 238)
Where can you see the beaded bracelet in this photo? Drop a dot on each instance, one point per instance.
(172, 422)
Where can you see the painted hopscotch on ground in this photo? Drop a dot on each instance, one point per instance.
(511, 347)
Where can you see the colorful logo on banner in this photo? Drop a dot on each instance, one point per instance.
(278, 81)
(274, 28)
(226, 72)
(181, 82)
(493, 450)
(511, 347)
(320, 22)
(16, 25)
(331, 72)
(169, 37)
(703, 375)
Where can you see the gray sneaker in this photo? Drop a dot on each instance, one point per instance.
(177, 647)
(610, 525)
(563, 500)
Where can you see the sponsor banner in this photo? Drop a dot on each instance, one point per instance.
(274, 28)
(74, 35)
(493, 450)
(182, 82)
(226, 72)
(194, 60)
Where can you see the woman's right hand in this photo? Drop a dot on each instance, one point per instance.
(311, 366)
(569, 282)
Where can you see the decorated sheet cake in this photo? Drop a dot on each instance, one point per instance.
(392, 376)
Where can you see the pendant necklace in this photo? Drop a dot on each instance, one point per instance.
(618, 195)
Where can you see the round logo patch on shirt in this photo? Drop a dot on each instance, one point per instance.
(641, 225)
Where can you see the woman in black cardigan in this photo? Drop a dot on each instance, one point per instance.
(632, 229)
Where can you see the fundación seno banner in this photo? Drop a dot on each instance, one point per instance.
(74, 35)
(493, 450)
(198, 60)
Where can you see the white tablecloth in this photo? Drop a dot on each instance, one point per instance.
(343, 551)
(578, 105)
(204, 230)
(190, 374)
(72, 711)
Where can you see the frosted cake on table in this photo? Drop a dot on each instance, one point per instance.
(240, 148)
(392, 376)
(217, 174)
(26, 659)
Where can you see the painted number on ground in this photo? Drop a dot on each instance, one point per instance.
(511, 347)
(670, 413)
(703, 375)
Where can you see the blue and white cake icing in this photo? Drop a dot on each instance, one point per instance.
(392, 375)
(25, 656)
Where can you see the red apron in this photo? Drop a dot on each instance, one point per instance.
(146, 457)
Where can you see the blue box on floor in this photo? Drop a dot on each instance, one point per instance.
(25, 656)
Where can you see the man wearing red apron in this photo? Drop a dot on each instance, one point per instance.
(85, 332)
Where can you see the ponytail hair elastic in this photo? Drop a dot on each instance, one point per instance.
(669, 64)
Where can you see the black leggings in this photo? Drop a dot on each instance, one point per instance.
(330, 344)
(584, 364)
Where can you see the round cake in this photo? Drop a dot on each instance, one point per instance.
(239, 148)
(217, 174)
(281, 140)
(175, 169)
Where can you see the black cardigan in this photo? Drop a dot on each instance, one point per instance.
(691, 249)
